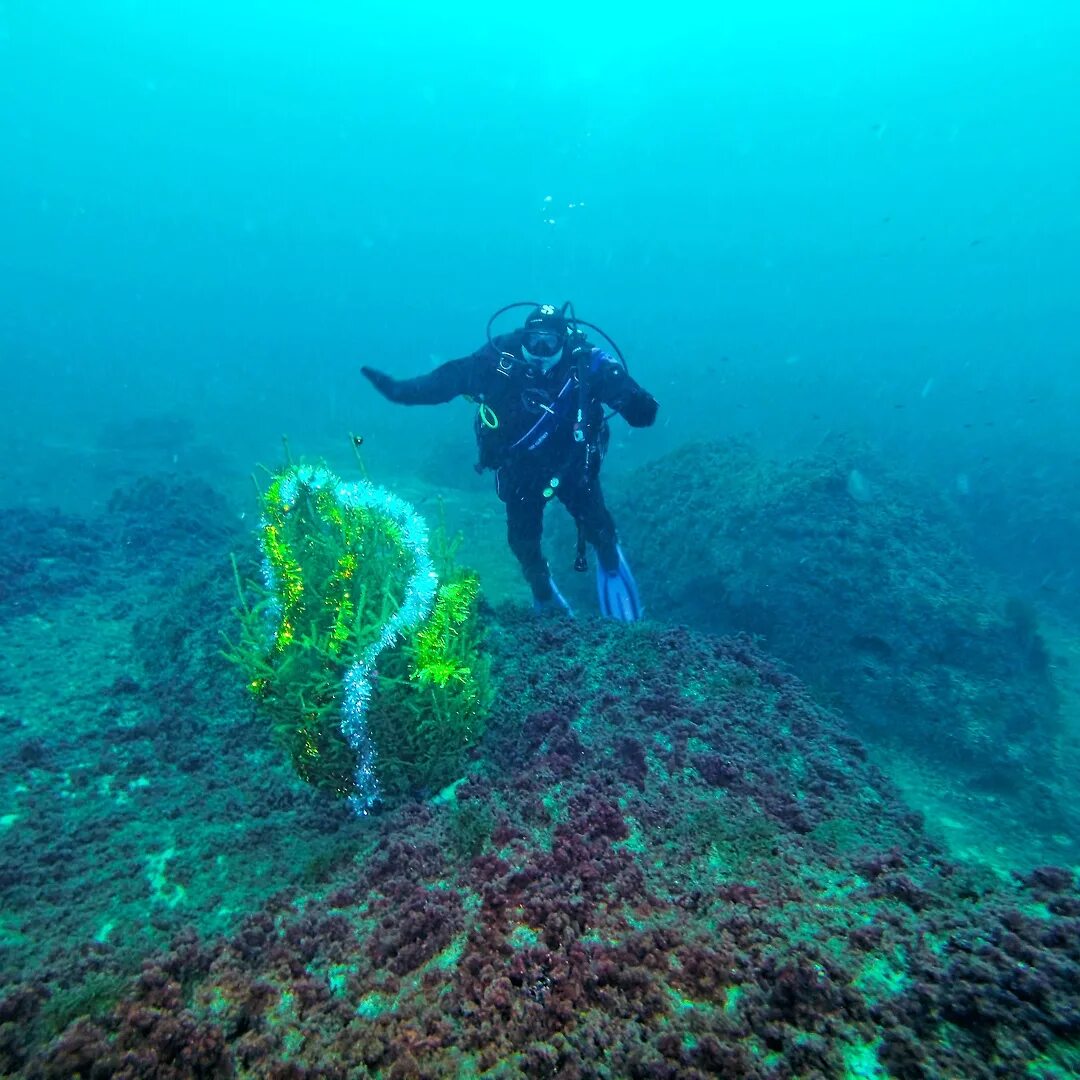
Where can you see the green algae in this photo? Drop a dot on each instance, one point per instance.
(840, 834)
(836, 886)
(523, 937)
(374, 1004)
(93, 997)
(337, 978)
(1036, 909)
(162, 890)
(861, 1062)
(635, 842)
(882, 976)
(285, 1018)
(1061, 1061)
(448, 959)
(681, 1005)
(555, 804)
(470, 825)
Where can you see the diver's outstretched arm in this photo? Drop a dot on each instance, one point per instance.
(447, 381)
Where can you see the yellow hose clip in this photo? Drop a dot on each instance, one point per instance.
(487, 416)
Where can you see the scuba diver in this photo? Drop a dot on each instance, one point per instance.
(541, 425)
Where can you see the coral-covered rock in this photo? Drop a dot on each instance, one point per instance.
(861, 584)
(45, 556)
(694, 872)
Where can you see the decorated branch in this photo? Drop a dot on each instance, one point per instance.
(362, 652)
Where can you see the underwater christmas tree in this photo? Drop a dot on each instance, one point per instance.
(367, 665)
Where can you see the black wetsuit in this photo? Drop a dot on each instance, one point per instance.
(530, 432)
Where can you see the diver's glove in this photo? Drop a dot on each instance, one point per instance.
(387, 385)
(617, 591)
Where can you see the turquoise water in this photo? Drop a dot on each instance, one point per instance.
(794, 218)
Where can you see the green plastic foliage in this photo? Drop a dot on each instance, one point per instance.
(335, 576)
(439, 651)
(433, 696)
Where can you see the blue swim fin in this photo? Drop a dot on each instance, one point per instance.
(617, 591)
(556, 604)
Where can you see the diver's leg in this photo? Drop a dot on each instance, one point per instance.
(616, 589)
(524, 531)
(585, 501)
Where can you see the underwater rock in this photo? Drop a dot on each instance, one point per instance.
(45, 556)
(665, 859)
(864, 589)
(678, 865)
(1023, 518)
(165, 520)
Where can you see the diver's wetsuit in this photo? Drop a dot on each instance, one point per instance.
(529, 435)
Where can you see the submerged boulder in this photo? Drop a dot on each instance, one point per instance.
(664, 858)
(666, 861)
(853, 578)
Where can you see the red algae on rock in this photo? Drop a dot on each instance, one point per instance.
(667, 861)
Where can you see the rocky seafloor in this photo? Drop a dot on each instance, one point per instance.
(867, 582)
(667, 859)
